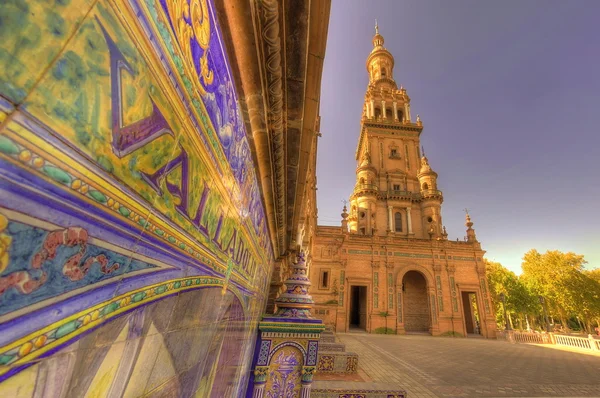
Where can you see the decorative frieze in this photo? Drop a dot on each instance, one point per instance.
(438, 283)
(454, 295)
(486, 301)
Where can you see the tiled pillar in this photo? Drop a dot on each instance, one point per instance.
(288, 340)
(260, 380)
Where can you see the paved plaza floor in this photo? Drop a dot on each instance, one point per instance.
(428, 366)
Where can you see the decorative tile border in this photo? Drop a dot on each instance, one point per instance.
(462, 258)
(356, 393)
(412, 255)
(454, 295)
(290, 329)
(39, 164)
(438, 284)
(359, 252)
(35, 345)
(337, 362)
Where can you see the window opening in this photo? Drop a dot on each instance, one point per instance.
(398, 222)
(324, 279)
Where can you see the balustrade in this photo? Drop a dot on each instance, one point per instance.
(579, 342)
(371, 187)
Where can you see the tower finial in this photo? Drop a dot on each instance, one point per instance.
(376, 27)
(470, 231)
(468, 222)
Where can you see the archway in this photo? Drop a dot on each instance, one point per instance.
(416, 305)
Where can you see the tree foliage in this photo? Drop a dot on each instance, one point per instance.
(570, 291)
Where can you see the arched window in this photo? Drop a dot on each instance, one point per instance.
(389, 114)
(377, 112)
(383, 72)
(400, 116)
(425, 186)
(362, 180)
(398, 222)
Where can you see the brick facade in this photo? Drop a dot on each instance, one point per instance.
(392, 228)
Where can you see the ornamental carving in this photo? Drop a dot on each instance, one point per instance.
(272, 50)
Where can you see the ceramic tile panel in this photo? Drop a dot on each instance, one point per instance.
(33, 35)
(134, 245)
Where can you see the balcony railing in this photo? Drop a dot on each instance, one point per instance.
(366, 187)
(430, 192)
(395, 192)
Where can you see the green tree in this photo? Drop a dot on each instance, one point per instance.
(560, 278)
(520, 300)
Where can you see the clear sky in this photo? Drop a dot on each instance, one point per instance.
(509, 95)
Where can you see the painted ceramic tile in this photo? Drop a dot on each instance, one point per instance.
(122, 122)
(284, 373)
(32, 34)
(37, 264)
(134, 253)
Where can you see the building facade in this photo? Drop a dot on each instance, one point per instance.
(390, 265)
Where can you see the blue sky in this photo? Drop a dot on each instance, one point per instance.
(509, 95)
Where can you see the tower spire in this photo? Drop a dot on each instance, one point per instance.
(376, 27)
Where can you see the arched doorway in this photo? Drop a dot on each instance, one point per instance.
(416, 305)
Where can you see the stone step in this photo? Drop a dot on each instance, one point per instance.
(327, 337)
(337, 347)
(336, 389)
(337, 362)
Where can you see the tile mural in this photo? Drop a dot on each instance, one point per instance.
(134, 252)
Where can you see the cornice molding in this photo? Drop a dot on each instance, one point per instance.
(271, 54)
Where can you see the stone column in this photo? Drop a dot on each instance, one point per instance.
(395, 110)
(390, 218)
(372, 109)
(383, 113)
(409, 220)
(406, 112)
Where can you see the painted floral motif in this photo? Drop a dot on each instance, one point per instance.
(352, 364)
(284, 374)
(46, 262)
(326, 363)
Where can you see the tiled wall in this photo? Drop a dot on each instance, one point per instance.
(133, 247)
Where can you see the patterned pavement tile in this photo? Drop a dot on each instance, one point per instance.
(427, 366)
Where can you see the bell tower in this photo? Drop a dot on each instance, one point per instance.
(396, 190)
